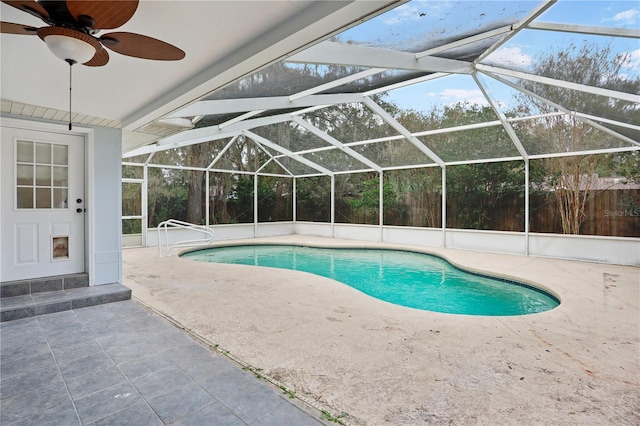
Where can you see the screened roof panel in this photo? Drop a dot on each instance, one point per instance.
(290, 136)
(272, 112)
(514, 103)
(242, 155)
(394, 153)
(420, 25)
(137, 158)
(296, 167)
(633, 134)
(588, 103)
(335, 160)
(377, 81)
(196, 155)
(217, 119)
(283, 79)
(475, 144)
(598, 61)
(471, 51)
(617, 14)
(445, 102)
(350, 123)
(274, 167)
(558, 135)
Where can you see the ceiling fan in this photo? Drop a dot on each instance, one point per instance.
(72, 31)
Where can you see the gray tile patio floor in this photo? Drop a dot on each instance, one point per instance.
(118, 364)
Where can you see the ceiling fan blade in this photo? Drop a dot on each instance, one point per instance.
(11, 28)
(29, 6)
(140, 46)
(105, 15)
(99, 59)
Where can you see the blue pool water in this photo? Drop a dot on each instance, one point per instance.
(404, 278)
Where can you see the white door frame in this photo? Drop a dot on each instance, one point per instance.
(89, 217)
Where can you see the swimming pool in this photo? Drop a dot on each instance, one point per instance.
(410, 279)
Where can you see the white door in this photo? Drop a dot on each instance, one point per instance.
(42, 212)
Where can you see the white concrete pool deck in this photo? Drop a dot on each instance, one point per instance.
(376, 363)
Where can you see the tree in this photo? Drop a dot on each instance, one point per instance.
(474, 191)
(313, 198)
(199, 155)
(368, 204)
(571, 179)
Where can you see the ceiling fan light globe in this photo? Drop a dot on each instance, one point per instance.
(70, 48)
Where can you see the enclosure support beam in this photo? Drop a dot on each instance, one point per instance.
(381, 205)
(526, 207)
(585, 29)
(255, 205)
(295, 201)
(444, 207)
(629, 97)
(145, 204)
(333, 206)
(207, 199)
(330, 52)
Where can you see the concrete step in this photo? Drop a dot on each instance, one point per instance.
(47, 302)
(44, 284)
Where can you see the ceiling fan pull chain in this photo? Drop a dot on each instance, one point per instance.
(70, 62)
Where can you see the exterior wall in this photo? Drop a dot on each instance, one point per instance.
(431, 237)
(272, 229)
(104, 193)
(357, 232)
(493, 241)
(314, 229)
(616, 250)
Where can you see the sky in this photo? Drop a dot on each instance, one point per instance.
(409, 25)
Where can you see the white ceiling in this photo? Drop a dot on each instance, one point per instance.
(223, 41)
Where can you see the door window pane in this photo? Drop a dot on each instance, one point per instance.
(60, 155)
(24, 175)
(43, 153)
(43, 198)
(24, 198)
(60, 198)
(24, 151)
(60, 176)
(43, 175)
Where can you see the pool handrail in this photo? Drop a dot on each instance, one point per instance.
(175, 223)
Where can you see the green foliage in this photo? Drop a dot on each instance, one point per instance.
(313, 197)
(419, 191)
(475, 190)
(168, 190)
(240, 200)
(368, 204)
(330, 417)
